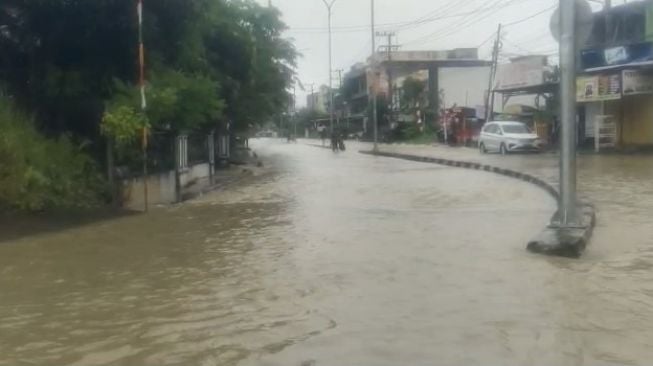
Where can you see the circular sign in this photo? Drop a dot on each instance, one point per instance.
(584, 22)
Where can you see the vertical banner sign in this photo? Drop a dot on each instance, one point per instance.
(597, 88)
(637, 82)
(141, 84)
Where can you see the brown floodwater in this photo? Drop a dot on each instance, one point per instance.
(330, 259)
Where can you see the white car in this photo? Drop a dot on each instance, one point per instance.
(508, 136)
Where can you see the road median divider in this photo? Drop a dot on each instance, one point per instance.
(555, 240)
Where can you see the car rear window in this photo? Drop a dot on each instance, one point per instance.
(516, 128)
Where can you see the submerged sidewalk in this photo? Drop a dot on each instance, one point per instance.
(619, 187)
(544, 166)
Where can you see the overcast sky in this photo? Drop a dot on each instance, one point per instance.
(419, 24)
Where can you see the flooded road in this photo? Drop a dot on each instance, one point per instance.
(326, 259)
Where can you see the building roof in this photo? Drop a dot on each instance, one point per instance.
(533, 89)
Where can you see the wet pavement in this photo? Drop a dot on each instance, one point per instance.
(619, 186)
(338, 259)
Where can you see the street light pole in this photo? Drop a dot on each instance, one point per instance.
(329, 5)
(294, 108)
(567, 209)
(375, 121)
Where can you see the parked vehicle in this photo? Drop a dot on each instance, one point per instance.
(461, 126)
(508, 136)
(355, 135)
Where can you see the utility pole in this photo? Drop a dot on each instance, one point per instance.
(312, 98)
(339, 71)
(489, 99)
(329, 5)
(608, 22)
(568, 47)
(294, 108)
(389, 48)
(375, 122)
(141, 83)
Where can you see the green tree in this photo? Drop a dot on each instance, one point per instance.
(413, 95)
(73, 65)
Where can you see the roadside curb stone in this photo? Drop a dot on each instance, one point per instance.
(553, 240)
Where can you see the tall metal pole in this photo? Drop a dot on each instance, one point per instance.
(141, 83)
(608, 22)
(489, 99)
(567, 203)
(375, 121)
(330, 78)
(389, 49)
(294, 108)
(329, 5)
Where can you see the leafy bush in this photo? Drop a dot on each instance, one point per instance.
(123, 124)
(37, 173)
(176, 101)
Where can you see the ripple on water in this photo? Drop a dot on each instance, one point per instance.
(339, 259)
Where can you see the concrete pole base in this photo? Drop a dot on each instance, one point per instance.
(566, 241)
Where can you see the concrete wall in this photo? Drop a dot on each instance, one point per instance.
(194, 173)
(161, 190)
(161, 187)
(464, 86)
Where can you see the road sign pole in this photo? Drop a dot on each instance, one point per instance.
(567, 205)
(375, 121)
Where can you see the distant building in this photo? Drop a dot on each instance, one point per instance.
(319, 101)
(457, 74)
(615, 81)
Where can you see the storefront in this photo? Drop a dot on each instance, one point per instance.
(599, 98)
(637, 107)
(616, 109)
(616, 96)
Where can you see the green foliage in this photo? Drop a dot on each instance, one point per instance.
(176, 102)
(38, 173)
(226, 59)
(184, 103)
(306, 117)
(413, 94)
(122, 124)
(71, 64)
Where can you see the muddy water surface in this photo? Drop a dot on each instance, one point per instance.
(325, 259)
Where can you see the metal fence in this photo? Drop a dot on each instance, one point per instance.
(168, 152)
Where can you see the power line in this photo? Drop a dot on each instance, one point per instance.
(430, 17)
(397, 25)
(475, 21)
(531, 17)
(530, 40)
(491, 37)
(468, 21)
(516, 45)
(421, 20)
(494, 8)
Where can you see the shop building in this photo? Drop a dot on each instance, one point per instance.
(615, 79)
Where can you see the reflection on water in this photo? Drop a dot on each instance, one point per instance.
(327, 260)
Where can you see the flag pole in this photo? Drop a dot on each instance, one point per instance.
(141, 84)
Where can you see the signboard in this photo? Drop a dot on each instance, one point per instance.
(637, 82)
(597, 88)
(611, 57)
(615, 55)
(520, 74)
(584, 22)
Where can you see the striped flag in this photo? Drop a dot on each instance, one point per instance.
(141, 54)
(141, 64)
